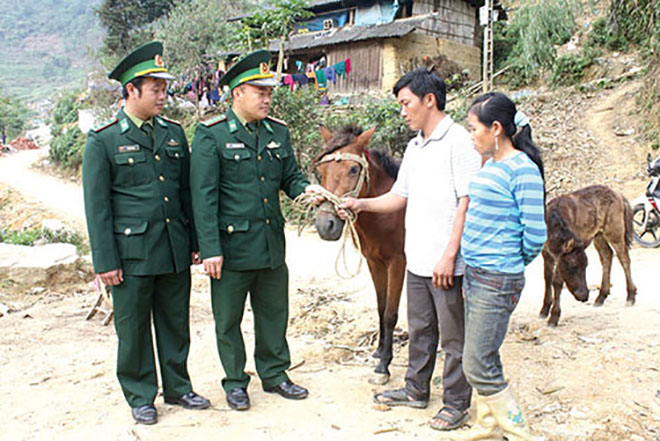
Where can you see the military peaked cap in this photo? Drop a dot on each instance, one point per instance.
(251, 69)
(145, 61)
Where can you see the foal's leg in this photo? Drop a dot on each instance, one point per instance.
(624, 258)
(557, 285)
(549, 264)
(605, 254)
(378, 273)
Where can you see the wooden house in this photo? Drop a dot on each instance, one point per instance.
(385, 38)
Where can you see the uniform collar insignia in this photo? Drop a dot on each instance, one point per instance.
(123, 125)
(172, 142)
(232, 126)
(273, 145)
(268, 127)
(161, 122)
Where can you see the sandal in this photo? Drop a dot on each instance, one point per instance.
(399, 397)
(449, 418)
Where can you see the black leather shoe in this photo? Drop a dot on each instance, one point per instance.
(238, 399)
(289, 390)
(145, 414)
(189, 401)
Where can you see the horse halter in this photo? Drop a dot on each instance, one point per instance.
(360, 159)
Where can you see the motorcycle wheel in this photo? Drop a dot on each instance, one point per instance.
(649, 237)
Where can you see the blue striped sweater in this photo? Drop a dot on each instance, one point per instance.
(505, 225)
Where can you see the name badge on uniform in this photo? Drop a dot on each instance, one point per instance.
(172, 142)
(235, 145)
(128, 148)
(273, 145)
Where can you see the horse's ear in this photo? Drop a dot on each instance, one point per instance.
(325, 133)
(364, 138)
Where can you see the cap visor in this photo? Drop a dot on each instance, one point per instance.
(162, 75)
(270, 82)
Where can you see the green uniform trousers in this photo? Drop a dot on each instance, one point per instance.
(166, 297)
(270, 305)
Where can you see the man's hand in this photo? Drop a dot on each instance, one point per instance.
(196, 259)
(348, 203)
(443, 273)
(317, 192)
(112, 278)
(213, 266)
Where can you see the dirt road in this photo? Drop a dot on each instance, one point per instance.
(595, 377)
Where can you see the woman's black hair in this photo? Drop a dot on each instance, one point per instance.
(495, 106)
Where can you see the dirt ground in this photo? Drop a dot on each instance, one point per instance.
(595, 377)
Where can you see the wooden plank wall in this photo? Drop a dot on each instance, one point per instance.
(367, 62)
(456, 20)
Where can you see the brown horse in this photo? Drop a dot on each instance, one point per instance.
(348, 168)
(574, 220)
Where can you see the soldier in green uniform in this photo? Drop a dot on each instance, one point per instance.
(136, 183)
(239, 164)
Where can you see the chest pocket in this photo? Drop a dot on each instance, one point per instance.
(175, 162)
(236, 165)
(277, 158)
(131, 169)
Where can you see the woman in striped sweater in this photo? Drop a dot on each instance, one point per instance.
(504, 231)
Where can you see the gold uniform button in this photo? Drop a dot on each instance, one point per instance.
(230, 229)
(166, 199)
(259, 158)
(167, 220)
(176, 154)
(262, 179)
(161, 178)
(131, 160)
(157, 157)
(265, 200)
(127, 231)
(237, 157)
(267, 221)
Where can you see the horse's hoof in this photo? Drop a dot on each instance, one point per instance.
(552, 325)
(543, 314)
(630, 302)
(376, 353)
(599, 303)
(379, 379)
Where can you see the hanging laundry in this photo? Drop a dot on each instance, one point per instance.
(331, 74)
(301, 79)
(313, 79)
(348, 65)
(321, 80)
(300, 66)
(288, 80)
(340, 69)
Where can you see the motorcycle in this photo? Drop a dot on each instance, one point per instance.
(646, 209)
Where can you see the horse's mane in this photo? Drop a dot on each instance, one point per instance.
(347, 135)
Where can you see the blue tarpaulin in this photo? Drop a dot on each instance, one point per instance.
(339, 19)
(377, 13)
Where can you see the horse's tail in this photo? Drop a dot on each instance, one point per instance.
(628, 219)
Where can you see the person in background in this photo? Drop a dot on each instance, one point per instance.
(504, 231)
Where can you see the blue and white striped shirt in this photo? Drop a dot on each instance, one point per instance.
(505, 225)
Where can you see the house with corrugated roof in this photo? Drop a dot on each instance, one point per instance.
(385, 38)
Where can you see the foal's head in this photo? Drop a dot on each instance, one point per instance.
(343, 169)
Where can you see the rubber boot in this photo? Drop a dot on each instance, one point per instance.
(484, 427)
(508, 415)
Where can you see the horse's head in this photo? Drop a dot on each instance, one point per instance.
(343, 168)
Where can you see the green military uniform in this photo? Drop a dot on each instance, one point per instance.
(139, 218)
(237, 172)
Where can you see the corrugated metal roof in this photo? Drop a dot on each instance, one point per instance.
(397, 28)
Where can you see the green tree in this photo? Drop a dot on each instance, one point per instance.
(14, 116)
(274, 22)
(128, 24)
(196, 28)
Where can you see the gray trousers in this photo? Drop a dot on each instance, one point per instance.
(436, 314)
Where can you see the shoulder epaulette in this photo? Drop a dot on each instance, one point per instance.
(173, 121)
(278, 121)
(105, 124)
(215, 120)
